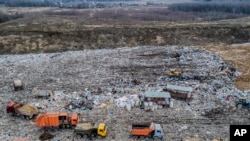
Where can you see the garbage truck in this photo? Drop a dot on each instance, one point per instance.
(19, 109)
(56, 119)
(147, 129)
(89, 130)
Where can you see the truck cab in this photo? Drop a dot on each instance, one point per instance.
(74, 119)
(158, 133)
(10, 107)
(102, 130)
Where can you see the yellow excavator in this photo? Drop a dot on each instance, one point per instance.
(174, 73)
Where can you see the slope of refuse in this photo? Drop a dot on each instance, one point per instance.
(91, 83)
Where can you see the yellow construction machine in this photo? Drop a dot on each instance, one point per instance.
(174, 73)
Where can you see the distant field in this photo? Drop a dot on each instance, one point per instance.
(65, 29)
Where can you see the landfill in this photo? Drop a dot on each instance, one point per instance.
(107, 85)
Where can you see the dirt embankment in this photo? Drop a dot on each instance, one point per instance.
(238, 55)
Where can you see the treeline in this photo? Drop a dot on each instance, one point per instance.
(222, 0)
(2, 1)
(5, 17)
(111, 0)
(153, 14)
(63, 3)
(31, 3)
(234, 7)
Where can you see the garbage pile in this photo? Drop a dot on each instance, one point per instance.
(128, 101)
(108, 85)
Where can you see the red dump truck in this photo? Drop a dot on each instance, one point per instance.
(56, 119)
(19, 109)
(147, 129)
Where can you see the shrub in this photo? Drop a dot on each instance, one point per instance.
(5, 17)
(233, 7)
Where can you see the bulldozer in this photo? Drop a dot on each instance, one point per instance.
(174, 73)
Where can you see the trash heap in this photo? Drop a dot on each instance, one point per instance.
(108, 85)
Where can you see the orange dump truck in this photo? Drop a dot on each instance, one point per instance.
(147, 129)
(56, 119)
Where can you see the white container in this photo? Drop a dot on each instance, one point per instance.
(132, 102)
(137, 103)
(150, 104)
(163, 103)
(167, 101)
(152, 108)
(171, 105)
(155, 106)
(128, 106)
(159, 107)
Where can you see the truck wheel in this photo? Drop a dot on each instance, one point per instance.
(78, 136)
(136, 137)
(62, 126)
(142, 137)
(93, 135)
(30, 117)
(85, 136)
(157, 139)
(70, 126)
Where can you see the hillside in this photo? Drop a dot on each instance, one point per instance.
(101, 62)
(57, 30)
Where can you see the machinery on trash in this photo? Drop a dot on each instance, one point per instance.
(147, 129)
(174, 73)
(18, 85)
(57, 119)
(89, 130)
(19, 109)
(242, 102)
